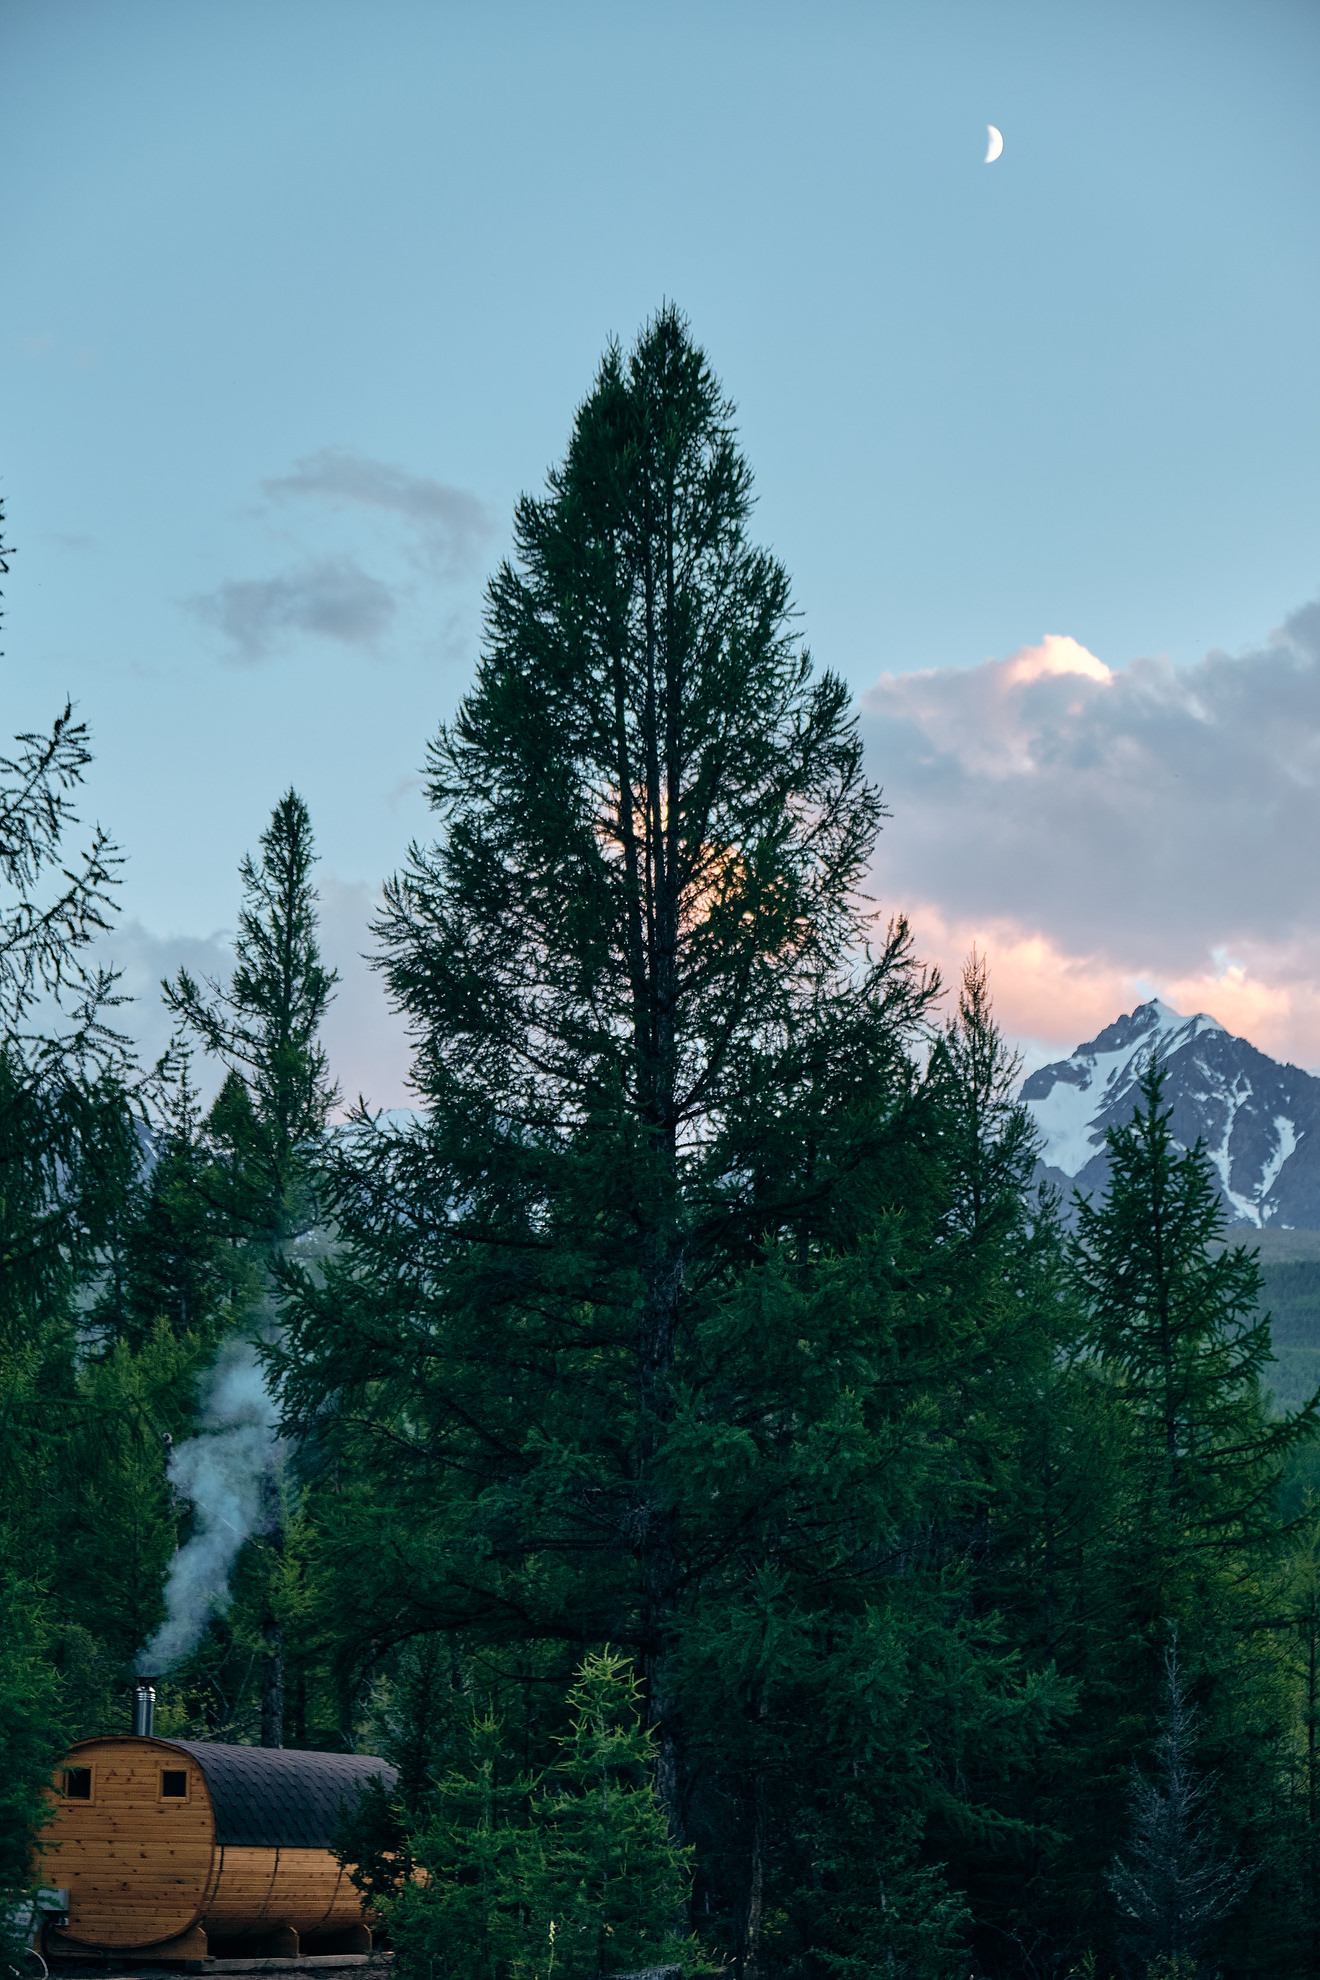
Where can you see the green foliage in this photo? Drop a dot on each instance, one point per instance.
(69, 1155)
(609, 1874)
(1190, 1534)
(263, 1028)
(709, 1312)
(180, 1258)
(372, 1841)
(1175, 1333)
(1176, 1322)
(471, 1914)
(1171, 1885)
(88, 1521)
(53, 907)
(631, 969)
(31, 1730)
(570, 1872)
(229, 1200)
(692, 1318)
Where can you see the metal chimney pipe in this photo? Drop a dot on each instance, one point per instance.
(144, 1710)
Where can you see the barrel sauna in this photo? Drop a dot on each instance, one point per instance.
(170, 1844)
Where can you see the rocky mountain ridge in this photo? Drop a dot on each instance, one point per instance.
(1259, 1120)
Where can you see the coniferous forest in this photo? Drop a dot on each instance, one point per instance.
(766, 1534)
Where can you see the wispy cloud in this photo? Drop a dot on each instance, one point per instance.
(334, 598)
(1105, 830)
(452, 528)
(430, 528)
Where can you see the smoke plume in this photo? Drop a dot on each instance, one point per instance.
(227, 1472)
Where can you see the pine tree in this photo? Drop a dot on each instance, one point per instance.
(841, 1647)
(176, 1257)
(1174, 1324)
(1304, 1591)
(1193, 1534)
(69, 1153)
(648, 1031)
(988, 1136)
(568, 1873)
(468, 1914)
(53, 909)
(263, 1028)
(265, 1129)
(1172, 1885)
(659, 1329)
(611, 1877)
(1177, 1321)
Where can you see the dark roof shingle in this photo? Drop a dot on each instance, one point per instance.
(271, 1797)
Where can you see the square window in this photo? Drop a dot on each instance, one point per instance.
(173, 1784)
(78, 1783)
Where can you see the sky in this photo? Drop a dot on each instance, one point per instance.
(299, 295)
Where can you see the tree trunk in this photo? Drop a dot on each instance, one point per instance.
(658, 1564)
(272, 1664)
(756, 1869)
(272, 1686)
(296, 1694)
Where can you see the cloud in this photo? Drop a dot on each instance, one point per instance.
(444, 534)
(451, 526)
(143, 958)
(1105, 831)
(366, 1041)
(1050, 999)
(1055, 655)
(334, 598)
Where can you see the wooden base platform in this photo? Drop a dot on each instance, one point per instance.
(279, 1951)
(115, 1966)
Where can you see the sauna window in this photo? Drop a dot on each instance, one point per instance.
(173, 1784)
(77, 1783)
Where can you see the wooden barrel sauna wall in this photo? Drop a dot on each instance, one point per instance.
(165, 1840)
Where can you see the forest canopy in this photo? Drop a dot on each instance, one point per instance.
(765, 1529)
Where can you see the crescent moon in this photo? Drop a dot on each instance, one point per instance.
(995, 146)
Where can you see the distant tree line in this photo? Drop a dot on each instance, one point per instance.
(763, 1537)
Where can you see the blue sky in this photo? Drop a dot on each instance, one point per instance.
(299, 297)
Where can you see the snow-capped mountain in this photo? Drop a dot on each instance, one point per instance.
(1259, 1120)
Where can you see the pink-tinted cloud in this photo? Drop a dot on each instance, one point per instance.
(1050, 1000)
(1056, 654)
(1105, 832)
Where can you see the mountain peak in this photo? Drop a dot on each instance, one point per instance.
(1162, 1017)
(1258, 1121)
(1152, 1024)
(1157, 1012)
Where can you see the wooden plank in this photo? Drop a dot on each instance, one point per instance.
(259, 1889)
(242, 1891)
(324, 1883)
(136, 1864)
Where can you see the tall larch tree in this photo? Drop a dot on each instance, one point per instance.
(635, 954)
(609, 1353)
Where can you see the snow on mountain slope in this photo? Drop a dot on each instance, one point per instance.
(1259, 1121)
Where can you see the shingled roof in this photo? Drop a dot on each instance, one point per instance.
(267, 1797)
